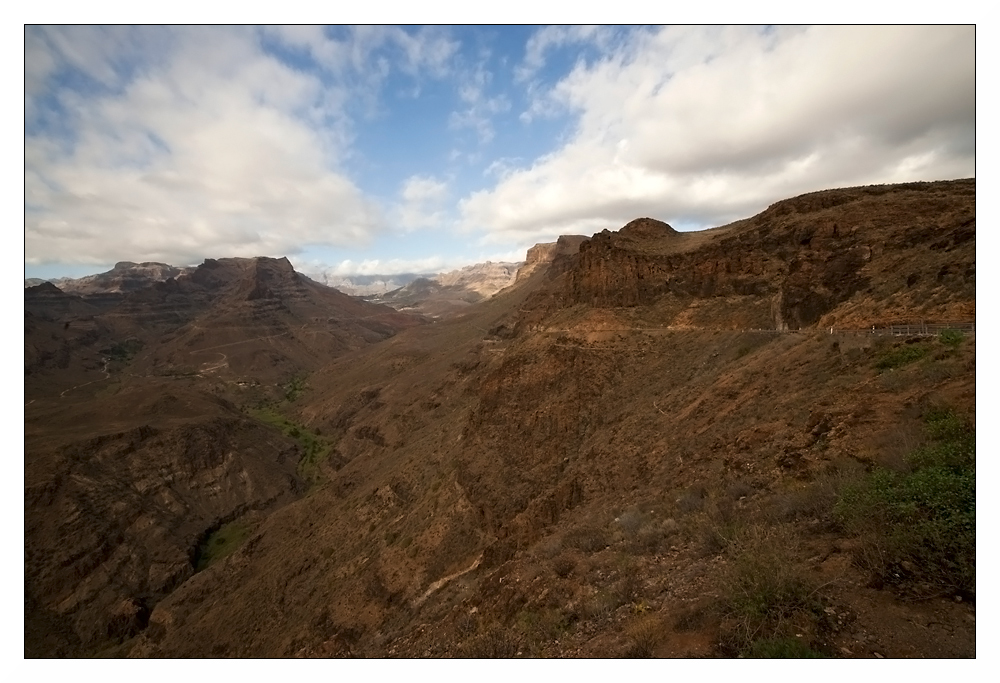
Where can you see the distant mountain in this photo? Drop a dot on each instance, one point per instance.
(124, 277)
(449, 293)
(271, 319)
(365, 285)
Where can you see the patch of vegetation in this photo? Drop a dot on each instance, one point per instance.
(952, 338)
(781, 648)
(220, 543)
(563, 566)
(295, 387)
(900, 356)
(314, 446)
(919, 526)
(692, 500)
(180, 372)
(601, 604)
(588, 539)
(124, 351)
(540, 626)
(642, 639)
(495, 643)
(764, 592)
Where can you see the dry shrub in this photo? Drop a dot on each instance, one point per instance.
(495, 643)
(739, 489)
(800, 503)
(588, 539)
(642, 637)
(692, 500)
(714, 536)
(629, 587)
(549, 548)
(542, 625)
(692, 617)
(601, 604)
(630, 521)
(763, 588)
(649, 540)
(467, 624)
(563, 566)
(816, 499)
(715, 528)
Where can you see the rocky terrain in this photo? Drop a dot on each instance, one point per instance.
(652, 444)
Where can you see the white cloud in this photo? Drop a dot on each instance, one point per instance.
(217, 150)
(325, 272)
(428, 50)
(479, 108)
(553, 37)
(702, 125)
(422, 203)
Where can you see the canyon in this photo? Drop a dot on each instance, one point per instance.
(596, 455)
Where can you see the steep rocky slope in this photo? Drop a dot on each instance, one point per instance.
(113, 522)
(597, 460)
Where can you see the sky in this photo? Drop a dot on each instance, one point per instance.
(364, 150)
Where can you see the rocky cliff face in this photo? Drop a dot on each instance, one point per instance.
(804, 262)
(486, 279)
(544, 253)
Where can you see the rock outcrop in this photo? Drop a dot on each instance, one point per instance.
(840, 257)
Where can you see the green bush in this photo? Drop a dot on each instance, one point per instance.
(951, 338)
(314, 447)
(295, 387)
(919, 526)
(903, 355)
(781, 648)
(220, 543)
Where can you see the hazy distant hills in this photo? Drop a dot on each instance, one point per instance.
(366, 285)
(449, 293)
